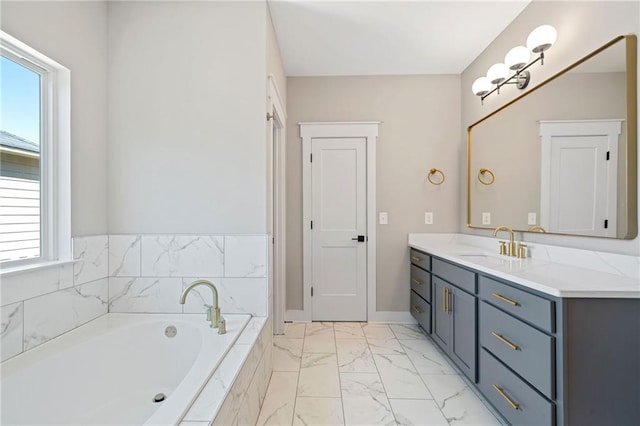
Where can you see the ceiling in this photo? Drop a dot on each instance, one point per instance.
(386, 37)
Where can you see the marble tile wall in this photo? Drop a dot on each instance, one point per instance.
(131, 273)
(38, 305)
(148, 273)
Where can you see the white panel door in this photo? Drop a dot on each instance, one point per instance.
(579, 185)
(339, 203)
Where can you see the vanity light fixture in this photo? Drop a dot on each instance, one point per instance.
(517, 59)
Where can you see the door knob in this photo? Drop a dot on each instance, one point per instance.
(359, 238)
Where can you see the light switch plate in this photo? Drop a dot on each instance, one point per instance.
(428, 218)
(531, 219)
(384, 218)
(486, 218)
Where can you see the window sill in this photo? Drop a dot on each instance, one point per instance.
(32, 267)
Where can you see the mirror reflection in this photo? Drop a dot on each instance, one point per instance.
(557, 159)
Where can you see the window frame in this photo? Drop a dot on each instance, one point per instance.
(55, 153)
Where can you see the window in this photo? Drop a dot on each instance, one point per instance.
(34, 156)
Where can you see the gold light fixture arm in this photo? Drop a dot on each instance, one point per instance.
(481, 178)
(434, 172)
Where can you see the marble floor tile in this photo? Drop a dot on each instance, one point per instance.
(280, 400)
(354, 355)
(457, 401)
(361, 384)
(320, 343)
(318, 328)
(348, 330)
(286, 353)
(407, 331)
(295, 330)
(367, 411)
(417, 412)
(319, 376)
(390, 346)
(318, 412)
(399, 377)
(426, 358)
(378, 331)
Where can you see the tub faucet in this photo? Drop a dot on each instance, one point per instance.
(511, 247)
(213, 313)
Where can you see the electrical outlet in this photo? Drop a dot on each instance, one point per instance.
(486, 218)
(384, 218)
(531, 219)
(428, 218)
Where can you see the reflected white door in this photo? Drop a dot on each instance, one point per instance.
(579, 177)
(339, 203)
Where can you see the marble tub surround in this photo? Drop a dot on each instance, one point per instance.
(108, 274)
(235, 392)
(149, 272)
(348, 383)
(557, 271)
(40, 304)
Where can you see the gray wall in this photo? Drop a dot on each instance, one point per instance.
(421, 124)
(582, 27)
(187, 150)
(75, 35)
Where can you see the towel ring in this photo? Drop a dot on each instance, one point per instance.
(432, 172)
(481, 175)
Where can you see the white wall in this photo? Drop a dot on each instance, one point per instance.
(421, 118)
(75, 35)
(187, 86)
(582, 27)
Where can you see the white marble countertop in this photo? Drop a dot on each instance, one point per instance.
(556, 279)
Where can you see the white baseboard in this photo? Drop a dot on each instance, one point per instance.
(398, 317)
(296, 315)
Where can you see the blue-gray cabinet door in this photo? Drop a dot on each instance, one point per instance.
(464, 332)
(441, 326)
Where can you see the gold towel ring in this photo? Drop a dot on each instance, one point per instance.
(486, 182)
(432, 172)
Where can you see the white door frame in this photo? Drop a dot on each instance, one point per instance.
(368, 130)
(276, 155)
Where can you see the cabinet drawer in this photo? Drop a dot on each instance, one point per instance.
(456, 275)
(529, 352)
(534, 309)
(421, 311)
(421, 283)
(420, 259)
(502, 388)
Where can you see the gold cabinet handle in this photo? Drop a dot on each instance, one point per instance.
(505, 341)
(418, 282)
(498, 389)
(444, 300)
(449, 300)
(504, 299)
(416, 259)
(416, 309)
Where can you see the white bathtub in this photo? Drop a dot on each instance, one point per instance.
(108, 371)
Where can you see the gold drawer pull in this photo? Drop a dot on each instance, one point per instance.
(418, 282)
(504, 299)
(444, 300)
(498, 389)
(416, 259)
(505, 341)
(416, 309)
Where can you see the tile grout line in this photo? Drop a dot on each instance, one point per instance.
(335, 343)
(380, 376)
(295, 398)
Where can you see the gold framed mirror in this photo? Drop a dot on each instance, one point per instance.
(562, 157)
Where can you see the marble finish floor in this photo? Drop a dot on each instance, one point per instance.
(366, 374)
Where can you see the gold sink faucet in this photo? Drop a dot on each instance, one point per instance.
(511, 247)
(537, 228)
(213, 312)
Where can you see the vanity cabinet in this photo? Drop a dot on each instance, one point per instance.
(537, 359)
(454, 314)
(420, 300)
